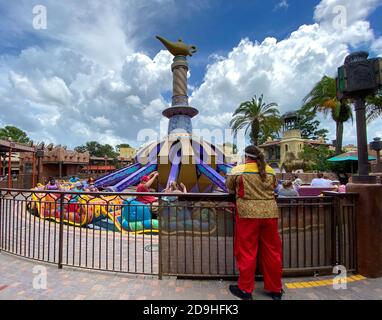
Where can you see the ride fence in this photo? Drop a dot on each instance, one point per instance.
(189, 235)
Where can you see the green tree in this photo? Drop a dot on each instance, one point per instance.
(309, 125)
(317, 156)
(96, 149)
(323, 98)
(80, 149)
(257, 116)
(14, 133)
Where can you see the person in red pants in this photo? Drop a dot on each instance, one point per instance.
(256, 229)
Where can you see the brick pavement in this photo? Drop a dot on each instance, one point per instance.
(17, 277)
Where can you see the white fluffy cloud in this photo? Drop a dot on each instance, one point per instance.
(284, 71)
(90, 80)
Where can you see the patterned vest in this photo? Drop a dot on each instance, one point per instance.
(254, 198)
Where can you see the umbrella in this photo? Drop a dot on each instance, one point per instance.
(348, 156)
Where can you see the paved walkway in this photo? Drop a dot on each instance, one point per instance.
(21, 279)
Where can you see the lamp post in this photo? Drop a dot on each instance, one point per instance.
(376, 145)
(358, 78)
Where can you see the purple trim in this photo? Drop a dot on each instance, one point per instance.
(173, 176)
(195, 189)
(116, 176)
(135, 178)
(212, 175)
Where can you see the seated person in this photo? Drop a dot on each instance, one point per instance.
(144, 186)
(39, 186)
(73, 179)
(174, 188)
(52, 184)
(78, 187)
(279, 186)
(341, 188)
(91, 187)
(287, 190)
(297, 182)
(320, 181)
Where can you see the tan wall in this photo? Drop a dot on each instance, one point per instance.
(291, 139)
(127, 152)
(295, 146)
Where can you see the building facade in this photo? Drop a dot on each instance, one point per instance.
(291, 144)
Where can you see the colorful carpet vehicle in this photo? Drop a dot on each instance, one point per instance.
(104, 212)
(134, 217)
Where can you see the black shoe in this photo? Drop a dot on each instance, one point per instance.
(277, 295)
(236, 291)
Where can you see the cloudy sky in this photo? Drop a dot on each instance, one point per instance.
(96, 72)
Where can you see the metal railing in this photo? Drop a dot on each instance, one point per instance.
(179, 234)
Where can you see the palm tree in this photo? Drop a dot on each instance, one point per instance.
(258, 116)
(323, 98)
(374, 107)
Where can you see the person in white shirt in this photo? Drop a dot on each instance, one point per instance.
(320, 181)
(297, 182)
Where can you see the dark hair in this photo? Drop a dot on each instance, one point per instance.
(287, 184)
(254, 153)
(320, 175)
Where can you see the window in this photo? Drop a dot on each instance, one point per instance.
(286, 148)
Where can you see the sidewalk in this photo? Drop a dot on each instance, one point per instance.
(17, 277)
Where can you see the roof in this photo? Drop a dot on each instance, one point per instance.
(101, 158)
(98, 168)
(290, 114)
(269, 144)
(348, 156)
(5, 145)
(317, 142)
(277, 142)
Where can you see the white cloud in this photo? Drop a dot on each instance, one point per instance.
(101, 121)
(377, 47)
(355, 10)
(91, 80)
(284, 71)
(282, 4)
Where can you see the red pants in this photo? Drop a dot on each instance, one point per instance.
(252, 235)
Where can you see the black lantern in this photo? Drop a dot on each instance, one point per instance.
(358, 78)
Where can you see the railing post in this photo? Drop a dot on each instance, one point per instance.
(61, 232)
(335, 238)
(159, 241)
(1, 219)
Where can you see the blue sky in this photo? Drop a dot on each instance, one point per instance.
(218, 27)
(98, 73)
